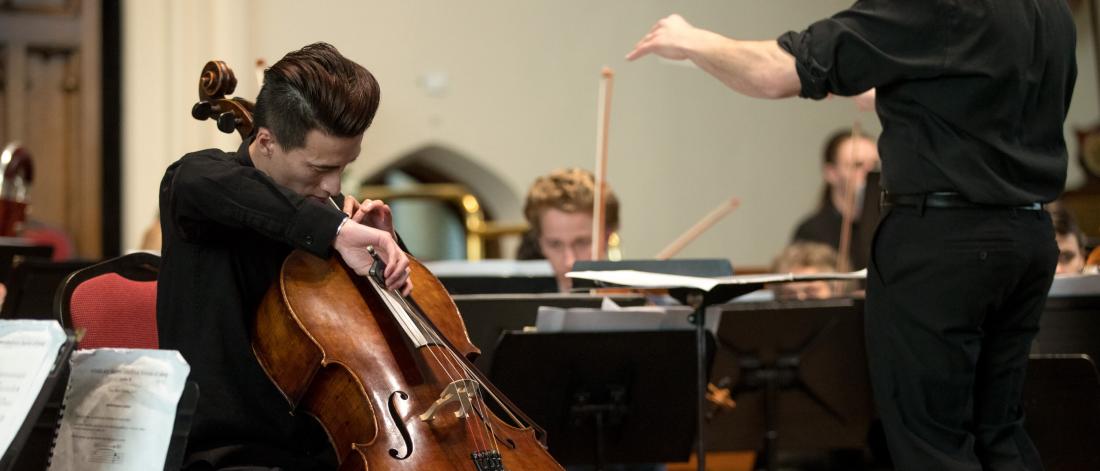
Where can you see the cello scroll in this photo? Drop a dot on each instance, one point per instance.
(231, 113)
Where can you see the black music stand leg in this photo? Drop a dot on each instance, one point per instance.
(600, 464)
(771, 451)
(699, 318)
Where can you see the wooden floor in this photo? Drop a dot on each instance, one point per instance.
(719, 461)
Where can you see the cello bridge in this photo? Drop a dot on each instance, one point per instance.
(462, 391)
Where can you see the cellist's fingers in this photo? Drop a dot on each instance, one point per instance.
(400, 273)
(351, 206)
(407, 290)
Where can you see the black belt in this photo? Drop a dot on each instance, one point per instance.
(944, 200)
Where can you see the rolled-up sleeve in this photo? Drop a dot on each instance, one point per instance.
(872, 44)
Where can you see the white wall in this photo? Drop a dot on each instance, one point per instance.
(520, 98)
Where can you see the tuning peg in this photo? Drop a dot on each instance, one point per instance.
(202, 110)
(227, 122)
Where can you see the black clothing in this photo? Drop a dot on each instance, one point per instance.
(971, 94)
(823, 226)
(953, 304)
(226, 229)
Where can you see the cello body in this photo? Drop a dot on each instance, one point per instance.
(388, 399)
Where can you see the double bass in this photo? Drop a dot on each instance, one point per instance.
(388, 376)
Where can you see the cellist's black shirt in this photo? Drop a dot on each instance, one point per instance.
(226, 229)
(972, 94)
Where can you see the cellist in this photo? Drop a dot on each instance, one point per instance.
(230, 219)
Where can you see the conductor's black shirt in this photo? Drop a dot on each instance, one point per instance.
(226, 229)
(971, 94)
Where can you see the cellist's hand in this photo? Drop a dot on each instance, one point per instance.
(376, 214)
(352, 243)
(351, 205)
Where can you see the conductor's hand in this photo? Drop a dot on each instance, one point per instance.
(352, 243)
(669, 38)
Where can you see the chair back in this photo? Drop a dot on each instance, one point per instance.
(114, 302)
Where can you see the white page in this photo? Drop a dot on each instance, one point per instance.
(550, 319)
(119, 409)
(28, 351)
(642, 279)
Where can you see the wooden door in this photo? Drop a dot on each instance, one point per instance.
(50, 102)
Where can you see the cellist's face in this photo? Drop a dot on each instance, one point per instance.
(312, 170)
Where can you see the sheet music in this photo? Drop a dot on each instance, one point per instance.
(641, 279)
(612, 317)
(28, 351)
(1075, 285)
(119, 409)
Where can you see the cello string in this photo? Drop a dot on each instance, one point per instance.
(485, 430)
(394, 306)
(385, 295)
(427, 329)
(432, 333)
(492, 394)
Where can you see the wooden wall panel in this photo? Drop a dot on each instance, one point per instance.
(3, 97)
(53, 112)
(52, 105)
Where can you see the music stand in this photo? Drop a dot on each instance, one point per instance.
(1062, 401)
(495, 276)
(488, 316)
(686, 266)
(1069, 324)
(602, 398)
(699, 300)
(41, 421)
(32, 287)
(181, 428)
(798, 370)
(13, 249)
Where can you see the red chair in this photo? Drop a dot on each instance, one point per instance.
(114, 301)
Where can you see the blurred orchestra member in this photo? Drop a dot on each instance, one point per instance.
(559, 210)
(1071, 241)
(802, 258)
(845, 164)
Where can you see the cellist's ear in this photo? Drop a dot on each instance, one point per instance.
(266, 142)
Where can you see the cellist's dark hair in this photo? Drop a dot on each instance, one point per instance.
(316, 88)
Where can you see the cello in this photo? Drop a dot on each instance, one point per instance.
(387, 376)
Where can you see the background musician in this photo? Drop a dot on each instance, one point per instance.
(558, 209)
(804, 258)
(229, 220)
(847, 158)
(1070, 238)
